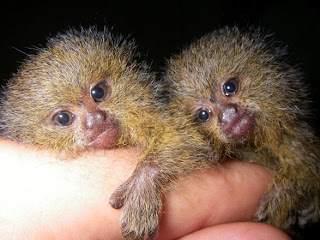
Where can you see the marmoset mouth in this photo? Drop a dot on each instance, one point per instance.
(106, 139)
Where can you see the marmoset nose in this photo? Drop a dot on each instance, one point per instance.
(95, 119)
(227, 113)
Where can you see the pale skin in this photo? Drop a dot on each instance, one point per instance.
(44, 197)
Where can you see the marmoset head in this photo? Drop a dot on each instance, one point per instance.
(83, 90)
(236, 87)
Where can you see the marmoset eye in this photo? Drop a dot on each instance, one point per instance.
(203, 115)
(63, 118)
(231, 87)
(100, 92)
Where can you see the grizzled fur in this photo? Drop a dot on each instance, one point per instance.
(272, 93)
(60, 76)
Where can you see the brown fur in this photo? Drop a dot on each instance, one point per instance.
(274, 94)
(59, 77)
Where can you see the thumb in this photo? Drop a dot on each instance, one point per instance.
(229, 192)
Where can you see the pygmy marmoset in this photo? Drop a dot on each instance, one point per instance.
(86, 90)
(243, 96)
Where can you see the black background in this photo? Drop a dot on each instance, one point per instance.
(162, 28)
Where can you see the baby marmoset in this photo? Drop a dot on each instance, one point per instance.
(86, 90)
(250, 104)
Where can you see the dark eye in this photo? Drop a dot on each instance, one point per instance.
(230, 87)
(204, 115)
(63, 118)
(100, 92)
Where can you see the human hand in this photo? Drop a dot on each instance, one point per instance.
(44, 197)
